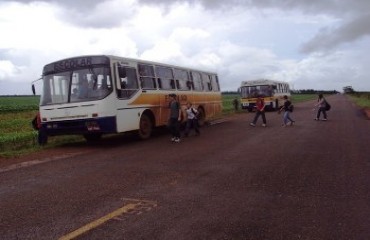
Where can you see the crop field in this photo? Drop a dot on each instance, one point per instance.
(18, 104)
(16, 114)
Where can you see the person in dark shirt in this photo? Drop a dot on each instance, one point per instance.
(287, 107)
(175, 118)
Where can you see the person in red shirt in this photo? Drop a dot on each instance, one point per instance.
(260, 111)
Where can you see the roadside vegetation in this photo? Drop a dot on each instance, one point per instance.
(361, 99)
(17, 137)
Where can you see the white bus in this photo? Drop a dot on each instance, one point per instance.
(271, 91)
(96, 95)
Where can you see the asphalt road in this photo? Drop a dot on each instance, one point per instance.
(307, 181)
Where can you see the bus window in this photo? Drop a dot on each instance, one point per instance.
(182, 79)
(207, 82)
(215, 84)
(147, 78)
(55, 89)
(128, 82)
(165, 78)
(197, 81)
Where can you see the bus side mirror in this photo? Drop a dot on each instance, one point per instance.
(33, 89)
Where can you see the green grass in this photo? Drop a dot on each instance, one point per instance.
(361, 99)
(303, 97)
(227, 103)
(17, 137)
(18, 103)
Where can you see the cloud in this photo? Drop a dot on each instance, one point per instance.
(311, 44)
(330, 38)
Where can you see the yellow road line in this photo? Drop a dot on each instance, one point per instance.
(99, 221)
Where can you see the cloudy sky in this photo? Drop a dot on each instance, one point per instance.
(315, 44)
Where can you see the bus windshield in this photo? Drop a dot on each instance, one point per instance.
(80, 85)
(255, 91)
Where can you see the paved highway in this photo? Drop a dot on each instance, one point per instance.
(308, 181)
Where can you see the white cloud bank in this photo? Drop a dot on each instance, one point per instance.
(311, 44)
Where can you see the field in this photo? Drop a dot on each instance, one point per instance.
(16, 133)
(17, 136)
(362, 99)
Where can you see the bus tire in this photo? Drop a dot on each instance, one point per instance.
(92, 137)
(145, 127)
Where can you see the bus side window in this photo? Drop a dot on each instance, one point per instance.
(165, 76)
(197, 81)
(147, 78)
(122, 77)
(172, 83)
(160, 83)
(182, 79)
(190, 85)
(214, 82)
(128, 82)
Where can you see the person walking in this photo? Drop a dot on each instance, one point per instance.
(288, 108)
(321, 104)
(175, 118)
(260, 111)
(236, 104)
(192, 120)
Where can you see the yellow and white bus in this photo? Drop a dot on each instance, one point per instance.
(101, 94)
(271, 91)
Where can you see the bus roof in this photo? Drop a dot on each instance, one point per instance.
(158, 63)
(117, 58)
(258, 82)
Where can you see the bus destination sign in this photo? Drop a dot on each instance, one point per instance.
(73, 63)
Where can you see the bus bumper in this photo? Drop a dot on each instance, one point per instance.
(80, 126)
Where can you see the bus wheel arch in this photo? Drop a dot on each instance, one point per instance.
(146, 124)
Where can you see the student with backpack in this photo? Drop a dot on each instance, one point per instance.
(323, 107)
(192, 120)
(288, 108)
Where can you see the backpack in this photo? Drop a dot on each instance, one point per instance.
(196, 113)
(327, 106)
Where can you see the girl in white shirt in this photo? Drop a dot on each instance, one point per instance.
(192, 120)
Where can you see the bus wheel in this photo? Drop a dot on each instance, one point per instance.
(92, 137)
(201, 117)
(145, 127)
